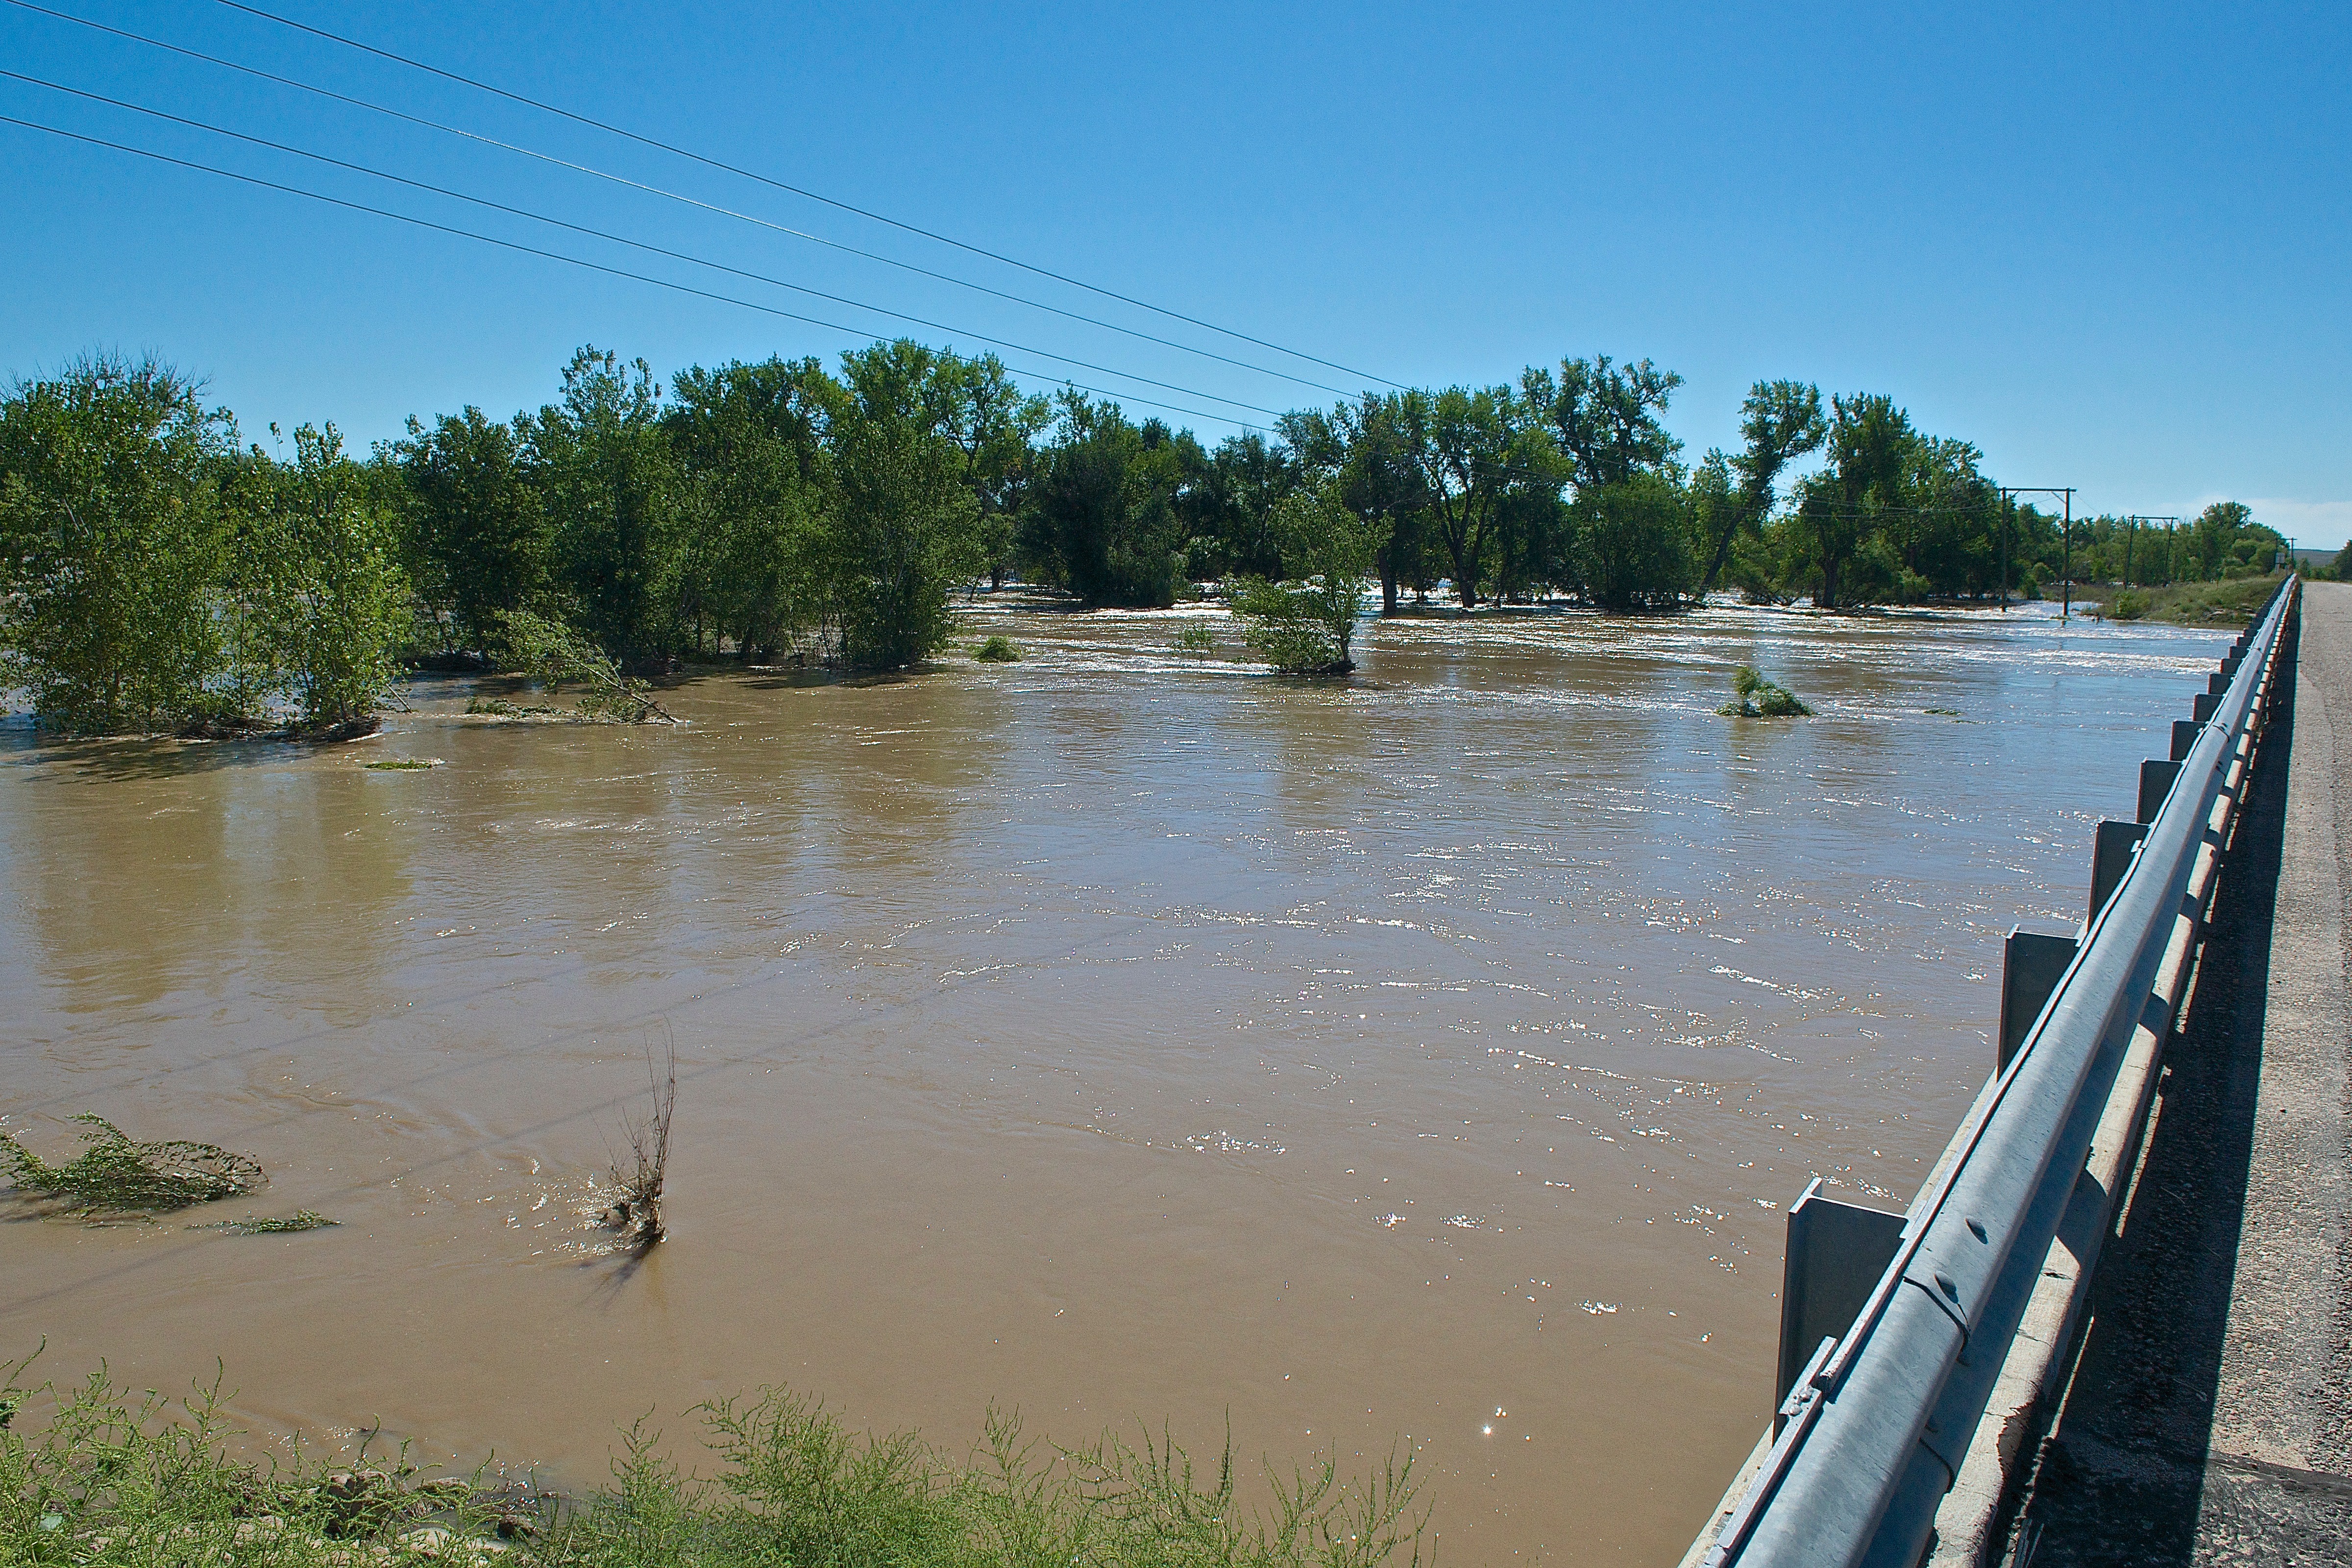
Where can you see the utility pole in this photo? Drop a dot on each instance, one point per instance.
(2066, 533)
(2009, 510)
(2005, 509)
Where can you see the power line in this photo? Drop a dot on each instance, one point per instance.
(679, 197)
(571, 260)
(741, 172)
(621, 239)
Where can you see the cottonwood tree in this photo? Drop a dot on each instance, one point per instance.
(1781, 421)
(602, 461)
(1468, 448)
(1105, 523)
(752, 446)
(480, 542)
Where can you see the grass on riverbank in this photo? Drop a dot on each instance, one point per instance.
(112, 1480)
(2234, 601)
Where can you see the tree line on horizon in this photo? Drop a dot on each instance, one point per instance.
(155, 571)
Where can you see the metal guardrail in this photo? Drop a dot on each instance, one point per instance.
(1880, 1418)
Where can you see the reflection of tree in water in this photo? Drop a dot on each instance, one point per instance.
(319, 859)
(904, 767)
(151, 866)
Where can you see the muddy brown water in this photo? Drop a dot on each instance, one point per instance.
(1422, 1061)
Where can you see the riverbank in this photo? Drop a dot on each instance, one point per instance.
(2230, 602)
(108, 1477)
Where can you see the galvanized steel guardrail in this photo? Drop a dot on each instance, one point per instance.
(1878, 1422)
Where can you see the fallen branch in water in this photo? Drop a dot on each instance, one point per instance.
(555, 653)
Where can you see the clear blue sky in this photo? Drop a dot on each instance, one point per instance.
(2107, 244)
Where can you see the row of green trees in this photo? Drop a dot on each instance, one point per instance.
(154, 570)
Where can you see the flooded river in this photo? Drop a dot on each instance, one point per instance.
(1422, 1061)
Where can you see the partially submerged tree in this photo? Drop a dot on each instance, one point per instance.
(324, 554)
(113, 544)
(1306, 625)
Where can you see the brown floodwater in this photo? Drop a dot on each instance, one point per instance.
(1417, 1061)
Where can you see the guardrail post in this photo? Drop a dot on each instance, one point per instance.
(1836, 1252)
(2154, 783)
(2030, 965)
(2111, 857)
(2184, 735)
(2205, 707)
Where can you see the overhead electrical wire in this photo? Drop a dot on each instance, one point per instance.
(622, 180)
(741, 172)
(1512, 471)
(634, 244)
(571, 260)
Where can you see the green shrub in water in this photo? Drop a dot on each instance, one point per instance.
(1760, 699)
(1196, 640)
(996, 650)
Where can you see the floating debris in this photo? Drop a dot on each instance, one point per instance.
(118, 1174)
(266, 1224)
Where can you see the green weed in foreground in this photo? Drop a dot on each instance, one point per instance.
(398, 766)
(113, 1481)
(1760, 699)
(116, 1175)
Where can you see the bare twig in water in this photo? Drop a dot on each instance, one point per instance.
(636, 1212)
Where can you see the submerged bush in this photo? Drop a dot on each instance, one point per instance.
(996, 650)
(1196, 640)
(115, 1173)
(114, 1480)
(1760, 699)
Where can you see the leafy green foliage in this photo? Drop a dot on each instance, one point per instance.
(1305, 627)
(117, 1174)
(905, 532)
(1105, 524)
(1633, 543)
(612, 484)
(1760, 699)
(479, 539)
(1198, 641)
(556, 654)
(2231, 601)
(996, 650)
(114, 548)
(324, 570)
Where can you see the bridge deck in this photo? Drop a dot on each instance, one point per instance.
(2210, 1420)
